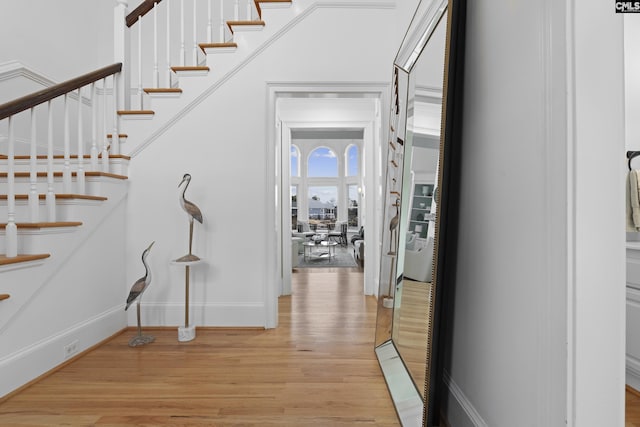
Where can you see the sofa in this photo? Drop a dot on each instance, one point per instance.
(418, 262)
(357, 240)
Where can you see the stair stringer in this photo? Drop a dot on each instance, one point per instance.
(76, 295)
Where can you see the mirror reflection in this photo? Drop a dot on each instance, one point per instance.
(411, 318)
(409, 256)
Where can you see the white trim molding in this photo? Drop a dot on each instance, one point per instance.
(460, 411)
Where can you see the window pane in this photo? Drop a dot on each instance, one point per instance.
(322, 163)
(352, 207)
(294, 207)
(352, 161)
(322, 205)
(294, 161)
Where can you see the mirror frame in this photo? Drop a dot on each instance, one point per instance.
(406, 398)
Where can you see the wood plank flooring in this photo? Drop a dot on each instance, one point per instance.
(317, 368)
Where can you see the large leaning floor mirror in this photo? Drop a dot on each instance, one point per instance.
(419, 215)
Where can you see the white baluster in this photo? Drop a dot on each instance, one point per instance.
(11, 229)
(248, 10)
(80, 172)
(140, 93)
(168, 31)
(66, 170)
(122, 46)
(94, 128)
(209, 23)
(51, 195)
(105, 144)
(115, 137)
(236, 9)
(221, 21)
(195, 33)
(156, 71)
(34, 203)
(182, 49)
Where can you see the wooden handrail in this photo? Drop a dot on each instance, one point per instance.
(4, 297)
(29, 101)
(139, 11)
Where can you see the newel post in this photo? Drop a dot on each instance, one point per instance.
(121, 52)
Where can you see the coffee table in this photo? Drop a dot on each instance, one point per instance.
(324, 249)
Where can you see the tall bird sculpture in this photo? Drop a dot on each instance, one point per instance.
(393, 224)
(193, 212)
(135, 294)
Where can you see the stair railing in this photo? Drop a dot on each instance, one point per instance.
(85, 91)
(159, 36)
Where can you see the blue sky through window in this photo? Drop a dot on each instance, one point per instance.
(352, 161)
(322, 163)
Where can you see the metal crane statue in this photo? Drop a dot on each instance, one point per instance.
(193, 212)
(393, 224)
(135, 294)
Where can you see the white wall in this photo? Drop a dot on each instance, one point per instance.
(538, 333)
(223, 144)
(59, 39)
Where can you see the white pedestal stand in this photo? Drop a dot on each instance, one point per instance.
(186, 332)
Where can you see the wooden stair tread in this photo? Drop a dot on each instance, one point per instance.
(204, 46)
(121, 135)
(59, 174)
(135, 112)
(44, 224)
(230, 24)
(259, 9)
(59, 196)
(21, 258)
(190, 68)
(60, 156)
(163, 90)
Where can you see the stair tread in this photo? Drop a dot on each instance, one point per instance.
(66, 196)
(163, 90)
(59, 174)
(60, 156)
(121, 135)
(44, 224)
(133, 112)
(224, 45)
(247, 22)
(21, 258)
(257, 3)
(190, 68)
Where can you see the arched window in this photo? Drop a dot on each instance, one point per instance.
(295, 161)
(352, 160)
(322, 163)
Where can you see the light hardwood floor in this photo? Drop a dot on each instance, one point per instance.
(317, 368)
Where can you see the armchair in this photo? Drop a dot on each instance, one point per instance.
(418, 263)
(304, 230)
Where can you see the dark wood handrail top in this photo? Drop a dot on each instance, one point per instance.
(139, 11)
(29, 101)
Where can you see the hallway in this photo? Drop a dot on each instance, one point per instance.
(317, 368)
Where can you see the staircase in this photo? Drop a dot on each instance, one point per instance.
(63, 176)
(33, 177)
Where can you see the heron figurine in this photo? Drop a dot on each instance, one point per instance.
(393, 224)
(193, 212)
(135, 294)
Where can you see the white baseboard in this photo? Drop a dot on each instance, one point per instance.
(29, 363)
(200, 314)
(460, 412)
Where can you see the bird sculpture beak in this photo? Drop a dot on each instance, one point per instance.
(149, 248)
